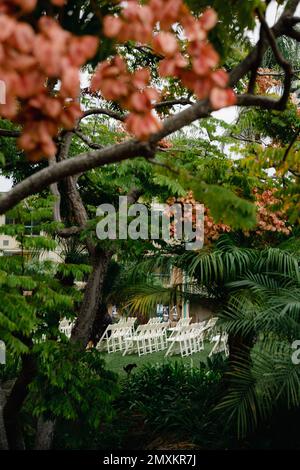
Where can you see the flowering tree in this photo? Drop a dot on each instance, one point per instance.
(32, 58)
(44, 46)
(37, 52)
(269, 219)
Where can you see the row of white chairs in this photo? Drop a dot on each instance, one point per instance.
(66, 326)
(181, 324)
(186, 338)
(113, 338)
(147, 339)
(154, 320)
(126, 321)
(189, 339)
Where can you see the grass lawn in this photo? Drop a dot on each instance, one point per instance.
(116, 362)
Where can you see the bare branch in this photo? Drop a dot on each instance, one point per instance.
(244, 139)
(180, 101)
(83, 162)
(260, 101)
(290, 146)
(104, 112)
(132, 149)
(132, 196)
(283, 26)
(87, 140)
(280, 59)
(163, 165)
(8, 133)
(259, 57)
(122, 117)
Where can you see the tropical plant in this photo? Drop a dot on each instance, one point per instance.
(255, 294)
(169, 400)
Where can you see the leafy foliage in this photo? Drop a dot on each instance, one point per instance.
(170, 399)
(75, 388)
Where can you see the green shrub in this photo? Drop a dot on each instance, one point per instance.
(170, 399)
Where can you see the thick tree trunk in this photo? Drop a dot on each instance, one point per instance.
(240, 347)
(99, 324)
(92, 298)
(81, 332)
(44, 434)
(93, 293)
(3, 438)
(15, 402)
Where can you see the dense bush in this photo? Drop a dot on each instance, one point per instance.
(168, 401)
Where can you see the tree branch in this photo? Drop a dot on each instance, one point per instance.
(244, 139)
(261, 102)
(63, 152)
(259, 57)
(8, 133)
(281, 27)
(122, 117)
(280, 60)
(87, 140)
(181, 101)
(290, 146)
(83, 162)
(103, 111)
(119, 152)
(131, 149)
(163, 165)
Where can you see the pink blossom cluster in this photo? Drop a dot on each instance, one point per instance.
(132, 91)
(24, 6)
(269, 219)
(40, 64)
(194, 62)
(212, 231)
(32, 61)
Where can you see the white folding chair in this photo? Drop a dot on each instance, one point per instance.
(66, 326)
(221, 344)
(117, 340)
(113, 338)
(188, 340)
(183, 322)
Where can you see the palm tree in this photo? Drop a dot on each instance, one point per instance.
(256, 294)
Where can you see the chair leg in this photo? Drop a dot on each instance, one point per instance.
(182, 348)
(170, 348)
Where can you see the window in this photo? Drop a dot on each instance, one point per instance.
(32, 229)
(5, 242)
(9, 220)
